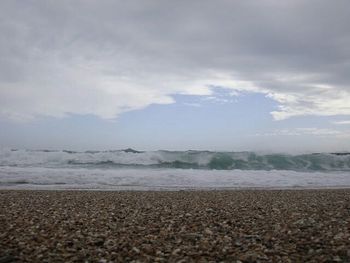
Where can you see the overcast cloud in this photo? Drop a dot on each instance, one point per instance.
(107, 57)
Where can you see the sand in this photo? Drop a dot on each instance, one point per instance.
(184, 226)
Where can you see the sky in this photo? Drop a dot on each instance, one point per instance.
(240, 75)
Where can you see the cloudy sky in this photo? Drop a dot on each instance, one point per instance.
(265, 75)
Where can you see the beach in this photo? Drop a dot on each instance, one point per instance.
(175, 226)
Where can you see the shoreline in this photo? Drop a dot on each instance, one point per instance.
(179, 189)
(243, 225)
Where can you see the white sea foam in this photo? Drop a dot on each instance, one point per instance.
(148, 179)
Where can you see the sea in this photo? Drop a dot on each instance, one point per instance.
(130, 169)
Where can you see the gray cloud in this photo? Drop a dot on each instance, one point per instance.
(108, 57)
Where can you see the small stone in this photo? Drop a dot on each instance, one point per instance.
(176, 251)
(249, 257)
(147, 248)
(238, 243)
(338, 236)
(208, 231)
(136, 250)
(337, 259)
(109, 243)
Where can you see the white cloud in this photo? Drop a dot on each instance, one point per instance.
(105, 58)
(303, 131)
(341, 122)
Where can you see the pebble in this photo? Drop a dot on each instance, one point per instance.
(184, 226)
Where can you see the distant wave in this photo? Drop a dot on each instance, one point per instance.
(206, 160)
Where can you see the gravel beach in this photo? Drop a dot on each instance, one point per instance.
(183, 226)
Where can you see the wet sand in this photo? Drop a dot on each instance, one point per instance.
(183, 226)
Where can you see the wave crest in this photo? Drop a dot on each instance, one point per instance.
(176, 159)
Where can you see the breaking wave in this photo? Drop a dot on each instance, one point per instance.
(206, 160)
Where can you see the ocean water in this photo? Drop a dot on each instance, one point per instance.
(170, 170)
